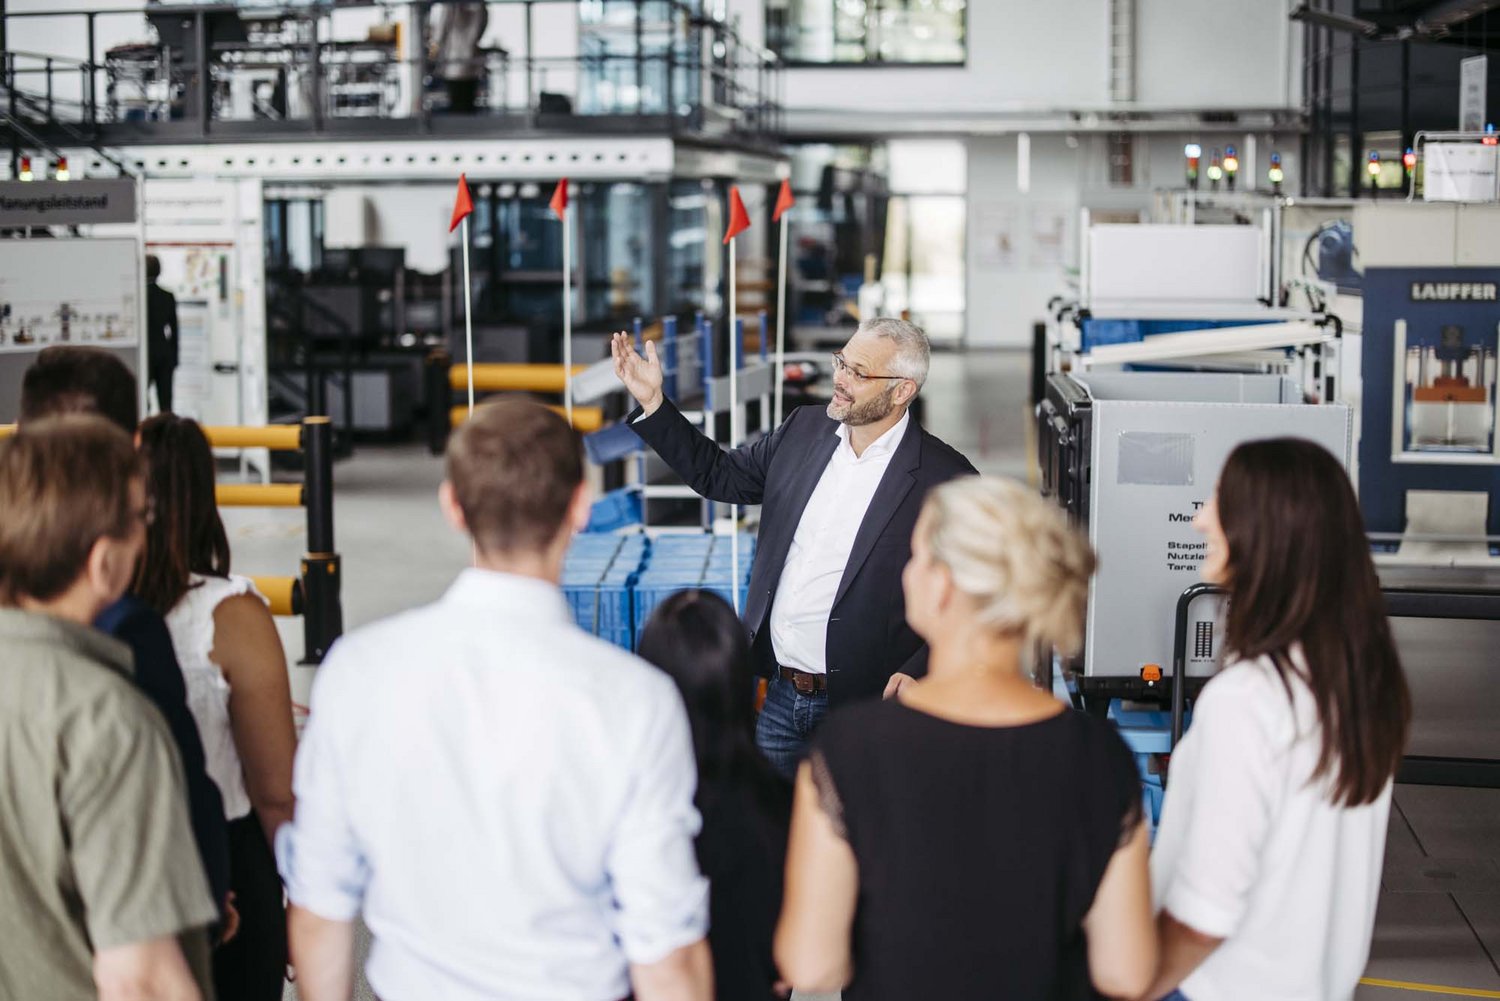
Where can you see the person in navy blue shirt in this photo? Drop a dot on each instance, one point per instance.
(70, 379)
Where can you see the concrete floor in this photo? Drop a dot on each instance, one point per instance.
(1439, 919)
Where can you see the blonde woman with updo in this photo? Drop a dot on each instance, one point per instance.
(973, 837)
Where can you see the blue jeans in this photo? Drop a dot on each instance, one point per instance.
(787, 720)
(1175, 996)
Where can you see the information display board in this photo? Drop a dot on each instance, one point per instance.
(60, 291)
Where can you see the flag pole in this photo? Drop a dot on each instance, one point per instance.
(734, 425)
(780, 326)
(567, 311)
(468, 317)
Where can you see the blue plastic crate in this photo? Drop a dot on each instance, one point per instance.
(615, 510)
(649, 595)
(603, 546)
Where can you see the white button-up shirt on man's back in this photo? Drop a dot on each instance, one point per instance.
(821, 547)
(506, 799)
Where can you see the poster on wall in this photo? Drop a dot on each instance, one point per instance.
(1049, 236)
(996, 233)
(192, 383)
(42, 302)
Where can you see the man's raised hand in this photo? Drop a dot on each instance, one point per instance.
(641, 376)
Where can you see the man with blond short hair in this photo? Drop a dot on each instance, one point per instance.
(507, 800)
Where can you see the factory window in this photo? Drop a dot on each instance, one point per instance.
(868, 32)
(923, 272)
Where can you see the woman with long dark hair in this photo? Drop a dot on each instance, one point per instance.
(238, 691)
(1267, 861)
(695, 637)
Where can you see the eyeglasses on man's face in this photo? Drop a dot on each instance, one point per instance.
(841, 364)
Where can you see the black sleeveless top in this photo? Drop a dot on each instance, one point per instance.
(979, 848)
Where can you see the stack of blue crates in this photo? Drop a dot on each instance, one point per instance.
(598, 576)
(613, 582)
(680, 562)
(1149, 736)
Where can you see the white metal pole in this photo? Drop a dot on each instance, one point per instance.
(567, 222)
(734, 426)
(780, 327)
(468, 318)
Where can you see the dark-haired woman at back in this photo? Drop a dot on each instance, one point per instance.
(697, 639)
(1267, 862)
(238, 691)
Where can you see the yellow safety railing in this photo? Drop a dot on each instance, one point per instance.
(276, 437)
(585, 419)
(491, 377)
(283, 593)
(259, 494)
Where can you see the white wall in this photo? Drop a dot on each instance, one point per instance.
(414, 216)
(1022, 54)
(1030, 56)
(1217, 54)
(1007, 293)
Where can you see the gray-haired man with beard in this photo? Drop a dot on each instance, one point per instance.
(839, 493)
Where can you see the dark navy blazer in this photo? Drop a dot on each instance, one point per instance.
(868, 638)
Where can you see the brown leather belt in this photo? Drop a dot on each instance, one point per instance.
(803, 682)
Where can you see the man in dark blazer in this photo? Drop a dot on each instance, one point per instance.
(840, 490)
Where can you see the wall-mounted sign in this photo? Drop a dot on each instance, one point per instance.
(66, 203)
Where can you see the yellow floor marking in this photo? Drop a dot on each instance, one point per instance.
(1402, 985)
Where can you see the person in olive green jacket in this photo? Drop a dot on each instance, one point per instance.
(101, 891)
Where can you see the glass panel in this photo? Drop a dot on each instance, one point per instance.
(688, 238)
(924, 262)
(868, 31)
(928, 167)
(619, 275)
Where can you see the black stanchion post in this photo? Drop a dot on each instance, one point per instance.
(322, 614)
(1038, 363)
(439, 392)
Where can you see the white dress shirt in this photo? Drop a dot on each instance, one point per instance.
(508, 800)
(1251, 849)
(821, 546)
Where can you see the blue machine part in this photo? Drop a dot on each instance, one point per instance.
(1333, 245)
(1450, 321)
(1096, 333)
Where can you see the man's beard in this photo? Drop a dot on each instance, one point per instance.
(868, 412)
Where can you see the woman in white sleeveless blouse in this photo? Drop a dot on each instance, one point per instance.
(237, 687)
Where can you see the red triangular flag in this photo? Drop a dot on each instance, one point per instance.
(559, 202)
(462, 205)
(784, 200)
(739, 219)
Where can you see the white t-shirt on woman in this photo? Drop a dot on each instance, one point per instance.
(191, 623)
(1251, 851)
